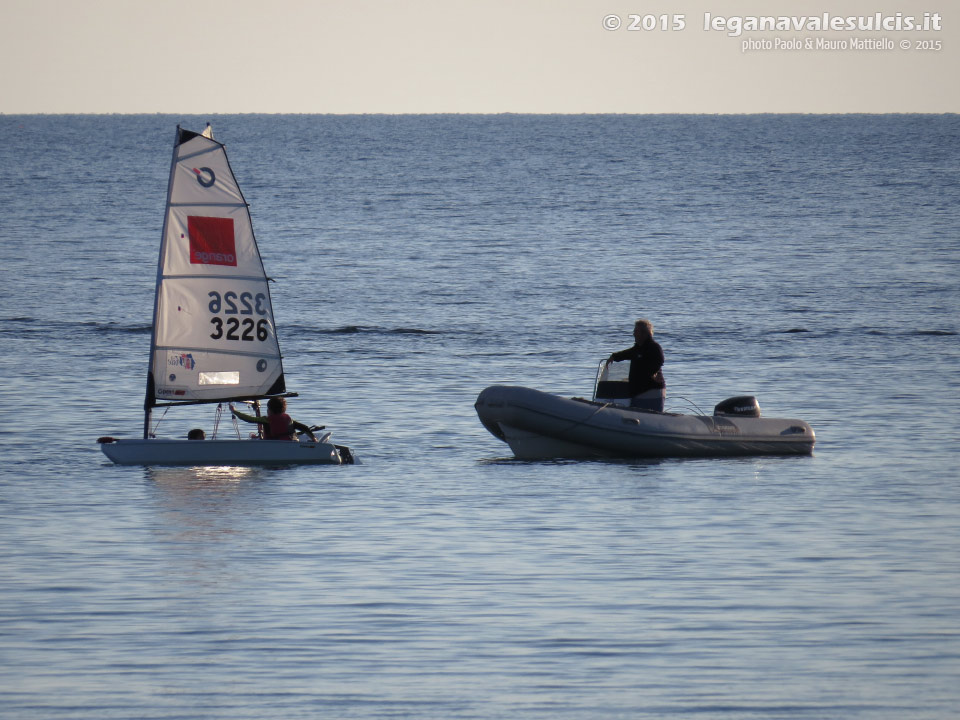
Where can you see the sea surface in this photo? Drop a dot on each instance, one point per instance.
(812, 261)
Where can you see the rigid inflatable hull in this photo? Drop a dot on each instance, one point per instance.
(222, 452)
(540, 425)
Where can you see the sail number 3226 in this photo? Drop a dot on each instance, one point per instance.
(239, 328)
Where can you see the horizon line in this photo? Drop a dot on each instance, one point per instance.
(485, 114)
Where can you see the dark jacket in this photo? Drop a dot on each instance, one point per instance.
(645, 363)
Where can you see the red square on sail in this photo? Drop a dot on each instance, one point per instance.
(211, 241)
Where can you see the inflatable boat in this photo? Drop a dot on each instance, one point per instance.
(539, 425)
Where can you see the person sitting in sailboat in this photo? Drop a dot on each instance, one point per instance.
(647, 385)
(277, 424)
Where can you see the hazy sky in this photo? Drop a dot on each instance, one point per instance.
(425, 56)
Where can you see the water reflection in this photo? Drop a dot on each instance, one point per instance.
(207, 520)
(190, 476)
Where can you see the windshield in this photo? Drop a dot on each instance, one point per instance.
(612, 381)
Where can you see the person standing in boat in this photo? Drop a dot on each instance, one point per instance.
(647, 386)
(278, 425)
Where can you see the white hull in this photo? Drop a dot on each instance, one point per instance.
(223, 452)
(540, 425)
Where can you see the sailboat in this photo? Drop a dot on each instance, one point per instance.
(214, 338)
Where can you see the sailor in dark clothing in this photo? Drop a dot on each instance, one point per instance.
(647, 385)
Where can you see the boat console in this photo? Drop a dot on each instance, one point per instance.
(611, 385)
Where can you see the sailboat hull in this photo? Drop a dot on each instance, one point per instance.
(223, 452)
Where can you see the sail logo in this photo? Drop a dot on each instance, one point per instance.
(202, 178)
(184, 360)
(212, 241)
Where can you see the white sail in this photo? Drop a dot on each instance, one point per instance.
(214, 336)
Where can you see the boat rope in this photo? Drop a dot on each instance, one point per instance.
(585, 420)
(216, 420)
(692, 403)
(155, 427)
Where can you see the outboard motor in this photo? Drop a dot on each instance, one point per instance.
(742, 406)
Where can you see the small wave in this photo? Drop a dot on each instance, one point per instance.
(872, 331)
(33, 326)
(19, 327)
(915, 333)
(365, 330)
(878, 332)
(119, 328)
(413, 331)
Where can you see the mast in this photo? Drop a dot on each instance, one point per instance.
(150, 399)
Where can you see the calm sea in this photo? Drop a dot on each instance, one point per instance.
(812, 261)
